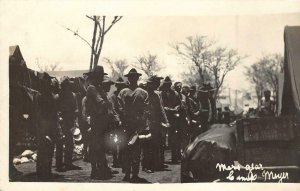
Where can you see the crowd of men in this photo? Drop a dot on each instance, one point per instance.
(134, 122)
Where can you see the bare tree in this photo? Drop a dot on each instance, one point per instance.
(99, 32)
(148, 64)
(191, 76)
(194, 52)
(264, 74)
(118, 67)
(206, 60)
(219, 62)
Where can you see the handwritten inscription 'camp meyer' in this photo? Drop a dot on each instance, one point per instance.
(268, 129)
(253, 171)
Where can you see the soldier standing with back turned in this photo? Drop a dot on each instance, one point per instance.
(47, 128)
(133, 102)
(95, 109)
(117, 148)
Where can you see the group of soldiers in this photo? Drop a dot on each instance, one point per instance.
(143, 120)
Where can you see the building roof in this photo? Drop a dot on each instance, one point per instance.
(69, 73)
(16, 52)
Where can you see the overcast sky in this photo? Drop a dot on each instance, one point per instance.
(39, 33)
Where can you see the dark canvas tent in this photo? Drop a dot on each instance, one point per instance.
(23, 83)
(18, 71)
(291, 87)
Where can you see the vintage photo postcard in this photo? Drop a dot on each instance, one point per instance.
(150, 95)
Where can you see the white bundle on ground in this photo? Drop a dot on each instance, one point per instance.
(27, 153)
(25, 157)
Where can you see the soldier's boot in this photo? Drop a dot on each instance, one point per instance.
(94, 171)
(126, 177)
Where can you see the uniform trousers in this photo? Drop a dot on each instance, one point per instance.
(131, 158)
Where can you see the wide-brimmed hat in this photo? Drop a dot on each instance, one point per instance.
(151, 79)
(207, 84)
(158, 77)
(106, 79)
(154, 78)
(66, 81)
(203, 92)
(46, 76)
(186, 88)
(98, 70)
(133, 72)
(167, 80)
(120, 81)
(193, 88)
(175, 84)
(77, 136)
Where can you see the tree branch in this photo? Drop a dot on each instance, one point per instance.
(116, 19)
(77, 34)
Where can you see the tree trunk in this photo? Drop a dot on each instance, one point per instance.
(200, 75)
(93, 44)
(96, 60)
(214, 104)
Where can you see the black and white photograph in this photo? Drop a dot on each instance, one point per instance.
(202, 96)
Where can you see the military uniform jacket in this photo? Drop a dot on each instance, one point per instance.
(95, 105)
(133, 105)
(47, 116)
(67, 105)
(156, 110)
(171, 100)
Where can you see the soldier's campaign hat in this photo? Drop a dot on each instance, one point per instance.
(120, 81)
(106, 79)
(167, 80)
(186, 88)
(157, 78)
(132, 72)
(176, 83)
(77, 136)
(193, 88)
(66, 81)
(96, 71)
(203, 92)
(151, 79)
(46, 76)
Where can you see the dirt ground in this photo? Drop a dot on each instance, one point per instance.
(171, 174)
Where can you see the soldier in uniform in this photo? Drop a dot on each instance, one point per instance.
(165, 125)
(189, 112)
(172, 103)
(209, 93)
(118, 132)
(47, 128)
(267, 108)
(194, 113)
(133, 103)
(204, 109)
(114, 120)
(95, 111)
(152, 159)
(184, 118)
(68, 109)
(226, 115)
